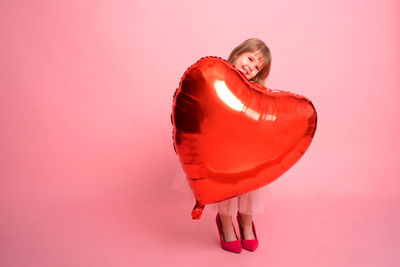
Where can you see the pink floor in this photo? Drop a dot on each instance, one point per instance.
(49, 230)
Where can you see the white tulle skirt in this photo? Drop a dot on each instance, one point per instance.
(250, 203)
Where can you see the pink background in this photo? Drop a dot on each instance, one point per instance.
(87, 160)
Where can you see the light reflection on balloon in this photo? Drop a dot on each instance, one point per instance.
(227, 97)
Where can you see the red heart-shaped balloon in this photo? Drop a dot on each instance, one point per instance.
(233, 136)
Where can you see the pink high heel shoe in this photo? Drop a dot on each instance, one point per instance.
(250, 244)
(232, 246)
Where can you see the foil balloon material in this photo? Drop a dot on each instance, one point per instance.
(233, 136)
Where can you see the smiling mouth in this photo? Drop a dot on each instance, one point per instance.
(243, 71)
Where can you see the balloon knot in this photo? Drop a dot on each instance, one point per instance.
(197, 211)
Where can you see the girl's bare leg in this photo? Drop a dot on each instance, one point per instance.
(245, 222)
(227, 227)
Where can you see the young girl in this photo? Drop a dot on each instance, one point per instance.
(253, 59)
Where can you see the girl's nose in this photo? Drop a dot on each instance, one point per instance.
(251, 66)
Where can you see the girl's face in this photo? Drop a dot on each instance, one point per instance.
(249, 63)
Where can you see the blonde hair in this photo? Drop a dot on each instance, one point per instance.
(254, 45)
